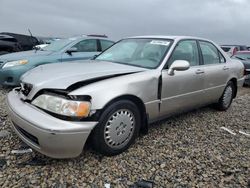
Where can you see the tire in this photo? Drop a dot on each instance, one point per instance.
(117, 129)
(227, 97)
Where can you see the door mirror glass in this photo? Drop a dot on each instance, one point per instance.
(71, 50)
(178, 65)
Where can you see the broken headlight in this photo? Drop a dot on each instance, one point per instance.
(62, 106)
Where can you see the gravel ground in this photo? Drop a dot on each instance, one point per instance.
(190, 150)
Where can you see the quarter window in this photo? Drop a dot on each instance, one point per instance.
(185, 50)
(210, 53)
(86, 46)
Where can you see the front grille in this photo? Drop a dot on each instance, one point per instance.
(26, 134)
(26, 88)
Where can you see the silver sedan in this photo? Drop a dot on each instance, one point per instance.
(113, 98)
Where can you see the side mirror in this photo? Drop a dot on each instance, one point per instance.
(71, 50)
(178, 65)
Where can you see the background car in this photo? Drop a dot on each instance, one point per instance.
(12, 42)
(12, 66)
(8, 44)
(111, 99)
(232, 49)
(244, 57)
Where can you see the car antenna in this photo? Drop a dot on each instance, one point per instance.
(32, 39)
(30, 33)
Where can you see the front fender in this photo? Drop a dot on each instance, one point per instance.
(144, 85)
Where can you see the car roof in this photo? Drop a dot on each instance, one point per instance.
(232, 45)
(86, 36)
(173, 37)
(243, 52)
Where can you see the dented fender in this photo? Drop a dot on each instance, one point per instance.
(143, 85)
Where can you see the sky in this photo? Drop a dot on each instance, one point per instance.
(223, 21)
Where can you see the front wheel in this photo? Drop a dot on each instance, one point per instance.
(227, 97)
(117, 129)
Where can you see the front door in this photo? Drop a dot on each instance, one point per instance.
(184, 89)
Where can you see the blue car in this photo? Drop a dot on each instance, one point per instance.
(14, 65)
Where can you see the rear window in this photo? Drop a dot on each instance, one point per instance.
(8, 39)
(242, 55)
(225, 49)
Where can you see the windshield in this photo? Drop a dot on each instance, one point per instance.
(146, 53)
(242, 56)
(58, 45)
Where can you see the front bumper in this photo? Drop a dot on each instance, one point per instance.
(48, 135)
(11, 76)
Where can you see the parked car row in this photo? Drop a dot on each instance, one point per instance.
(232, 49)
(113, 97)
(13, 65)
(12, 42)
(242, 53)
(244, 57)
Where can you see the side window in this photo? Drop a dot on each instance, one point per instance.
(210, 53)
(105, 44)
(185, 50)
(89, 45)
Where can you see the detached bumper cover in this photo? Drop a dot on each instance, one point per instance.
(48, 135)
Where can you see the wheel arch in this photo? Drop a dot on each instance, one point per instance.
(141, 107)
(234, 81)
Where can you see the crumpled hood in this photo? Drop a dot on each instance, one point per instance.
(24, 55)
(63, 75)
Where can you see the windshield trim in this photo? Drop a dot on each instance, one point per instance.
(151, 38)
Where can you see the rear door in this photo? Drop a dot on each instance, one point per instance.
(86, 49)
(184, 89)
(216, 71)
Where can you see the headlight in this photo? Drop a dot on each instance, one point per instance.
(15, 63)
(63, 106)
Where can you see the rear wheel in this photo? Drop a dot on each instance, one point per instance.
(227, 97)
(117, 129)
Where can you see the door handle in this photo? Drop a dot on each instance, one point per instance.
(199, 71)
(225, 68)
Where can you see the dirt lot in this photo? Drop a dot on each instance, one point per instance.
(190, 150)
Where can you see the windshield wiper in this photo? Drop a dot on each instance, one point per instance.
(38, 48)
